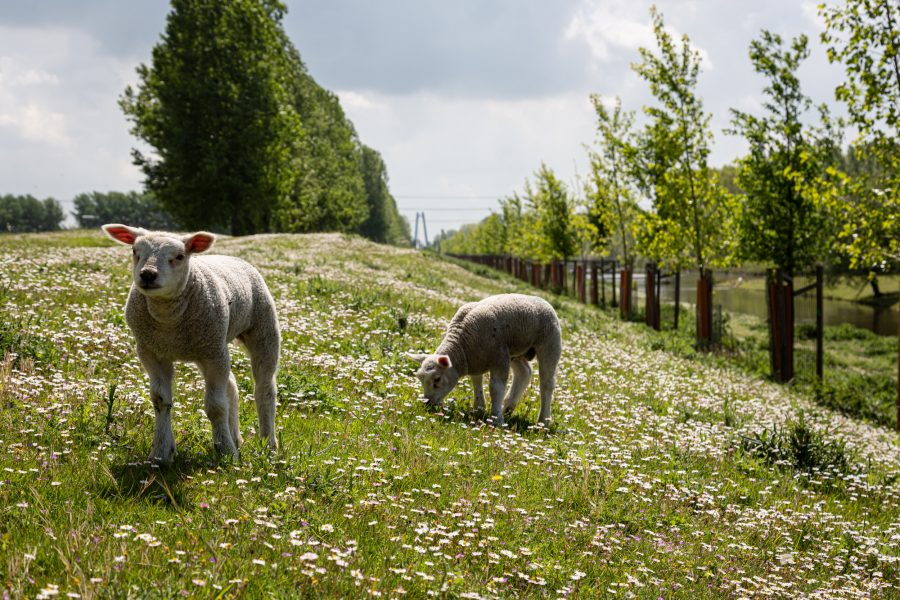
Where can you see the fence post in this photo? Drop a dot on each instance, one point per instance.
(579, 281)
(651, 317)
(595, 296)
(625, 292)
(704, 307)
(613, 283)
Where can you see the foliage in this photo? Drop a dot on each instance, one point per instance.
(330, 192)
(215, 107)
(553, 224)
(691, 223)
(19, 214)
(783, 222)
(864, 36)
(384, 223)
(132, 208)
(613, 206)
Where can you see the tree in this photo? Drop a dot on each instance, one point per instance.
(613, 207)
(27, 214)
(864, 35)
(131, 208)
(214, 106)
(690, 224)
(555, 237)
(384, 223)
(330, 193)
(784, 176)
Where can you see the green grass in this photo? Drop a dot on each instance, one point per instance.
(644, 487)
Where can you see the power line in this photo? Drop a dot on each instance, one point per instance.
(483, 208)
(431, 197)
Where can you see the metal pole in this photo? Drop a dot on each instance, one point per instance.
(820, 333)
(677, 296)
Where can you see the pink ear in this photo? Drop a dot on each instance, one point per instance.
(199, 242)
(121, 233)
(443, 360)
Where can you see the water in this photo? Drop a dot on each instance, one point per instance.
(739, 299)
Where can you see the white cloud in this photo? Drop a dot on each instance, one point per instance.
(611, 26)
(357, 101)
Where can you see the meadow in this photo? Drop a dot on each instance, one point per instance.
(662, 476)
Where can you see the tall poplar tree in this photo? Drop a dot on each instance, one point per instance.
(214, 106)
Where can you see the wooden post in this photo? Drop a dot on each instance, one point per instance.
(651, 314)
(625, 292)
(820, 323)
(579, 282)
(704, 308)
(595, 295)
(602, 283)
(613, 282)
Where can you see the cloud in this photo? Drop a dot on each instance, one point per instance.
(612, 28)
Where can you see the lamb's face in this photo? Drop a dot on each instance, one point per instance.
(160, 265)
(160, 262)
(438, 377)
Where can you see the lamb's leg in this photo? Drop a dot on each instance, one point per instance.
(263, 351)
(547, 376)
(521, 377)
(234, 410)
(217, 403)
(161, 374)
(478, 386)
(497, 385)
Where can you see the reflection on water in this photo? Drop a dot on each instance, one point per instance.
(734, 296)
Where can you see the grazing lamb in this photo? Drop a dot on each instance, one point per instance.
(186, 307)
(495, 335)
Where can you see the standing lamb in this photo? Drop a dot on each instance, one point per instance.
(495, 335)
(186, 307)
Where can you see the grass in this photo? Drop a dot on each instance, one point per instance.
(644, 487)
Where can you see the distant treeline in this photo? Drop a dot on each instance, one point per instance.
(27, 214)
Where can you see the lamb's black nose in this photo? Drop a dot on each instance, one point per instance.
(148, 276)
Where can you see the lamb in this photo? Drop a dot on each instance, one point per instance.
(188, 308)
(496, 335)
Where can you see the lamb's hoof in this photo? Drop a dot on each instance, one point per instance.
(163, 458)
(495, 421)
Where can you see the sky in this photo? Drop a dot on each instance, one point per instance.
(464, 99)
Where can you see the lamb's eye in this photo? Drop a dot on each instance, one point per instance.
(179, 257)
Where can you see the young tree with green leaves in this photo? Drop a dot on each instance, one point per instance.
(215, 108)
(384, 223)
(691, 221)
(864, 36)
(553, 232)
(783, 222)
(612, 205)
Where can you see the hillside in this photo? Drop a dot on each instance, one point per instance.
(660, 478)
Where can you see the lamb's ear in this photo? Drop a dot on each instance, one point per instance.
(418, 358)
(199, 242)
(443, 360)
(123, 233)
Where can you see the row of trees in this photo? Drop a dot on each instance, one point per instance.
(243, 139)
(27, 214)
(795, 200)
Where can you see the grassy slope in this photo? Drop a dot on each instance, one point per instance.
(640, 488)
